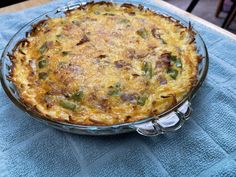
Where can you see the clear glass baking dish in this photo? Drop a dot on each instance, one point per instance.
(168, 121)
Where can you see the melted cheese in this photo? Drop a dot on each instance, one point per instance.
(105, 64)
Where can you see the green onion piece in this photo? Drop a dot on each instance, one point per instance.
(43, 48)
(114, 90)
(142, 33)
(77, 96)
(178, 63)
(43, 75)
(64, 53)
(42, 63)
(97, 13)
(76, 22)
(173, 73)
(147, 68)
(62, 64)
(141, 100)
(173, 58)
(63, 22)
(124, 21)
(67, 105)
(109, 14)
(60, 36)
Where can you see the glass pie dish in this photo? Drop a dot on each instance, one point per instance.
(170, 120)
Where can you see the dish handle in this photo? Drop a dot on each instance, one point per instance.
(169, 123)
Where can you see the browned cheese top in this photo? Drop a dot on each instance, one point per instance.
(105, 64)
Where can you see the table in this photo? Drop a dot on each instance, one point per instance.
(204, 146)
(23, 5)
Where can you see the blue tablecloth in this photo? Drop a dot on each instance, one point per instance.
(205, 146)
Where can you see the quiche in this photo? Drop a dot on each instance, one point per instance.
(104, 64)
